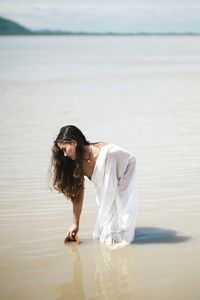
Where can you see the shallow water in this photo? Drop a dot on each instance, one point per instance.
(141, 93)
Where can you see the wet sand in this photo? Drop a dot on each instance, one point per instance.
(115, 91)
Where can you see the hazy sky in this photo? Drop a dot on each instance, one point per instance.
(105, 15)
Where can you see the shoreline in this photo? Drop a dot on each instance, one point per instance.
(98, 34)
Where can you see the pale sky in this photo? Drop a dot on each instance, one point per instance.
(105, 15)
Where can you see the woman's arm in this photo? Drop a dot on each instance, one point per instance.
(77, 208)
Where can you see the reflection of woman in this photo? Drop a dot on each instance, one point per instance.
(74, 287)
(111, 169)
(96, 270)
(116, 269)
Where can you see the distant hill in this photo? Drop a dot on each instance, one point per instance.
(11, 27)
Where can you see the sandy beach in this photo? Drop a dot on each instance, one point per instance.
(141, 93)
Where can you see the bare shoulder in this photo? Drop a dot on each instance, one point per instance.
(101, 144)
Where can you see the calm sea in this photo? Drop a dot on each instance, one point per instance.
(139, 92)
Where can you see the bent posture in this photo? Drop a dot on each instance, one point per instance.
(113, 172)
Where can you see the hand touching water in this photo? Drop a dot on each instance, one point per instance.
(72, 231)
(72, 234)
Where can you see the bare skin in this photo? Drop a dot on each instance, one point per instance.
(91, 153)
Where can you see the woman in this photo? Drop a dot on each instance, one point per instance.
(111, 169)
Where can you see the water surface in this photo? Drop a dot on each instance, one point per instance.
(141, 93)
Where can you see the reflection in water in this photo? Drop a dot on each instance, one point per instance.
(73, 289)
(115, 275)
(102, 273)
(106, 273)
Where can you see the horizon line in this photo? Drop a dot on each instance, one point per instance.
(60, 32)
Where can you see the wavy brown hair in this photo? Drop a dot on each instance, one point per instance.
(67, 174)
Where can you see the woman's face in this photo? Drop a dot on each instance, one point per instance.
(68, 148)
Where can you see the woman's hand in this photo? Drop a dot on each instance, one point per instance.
(74, 227)
(72, 231)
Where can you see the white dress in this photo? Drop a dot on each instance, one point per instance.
(114, 178)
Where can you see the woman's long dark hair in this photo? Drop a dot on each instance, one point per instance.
(67, 174)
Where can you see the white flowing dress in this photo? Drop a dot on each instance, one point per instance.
(114, 178)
